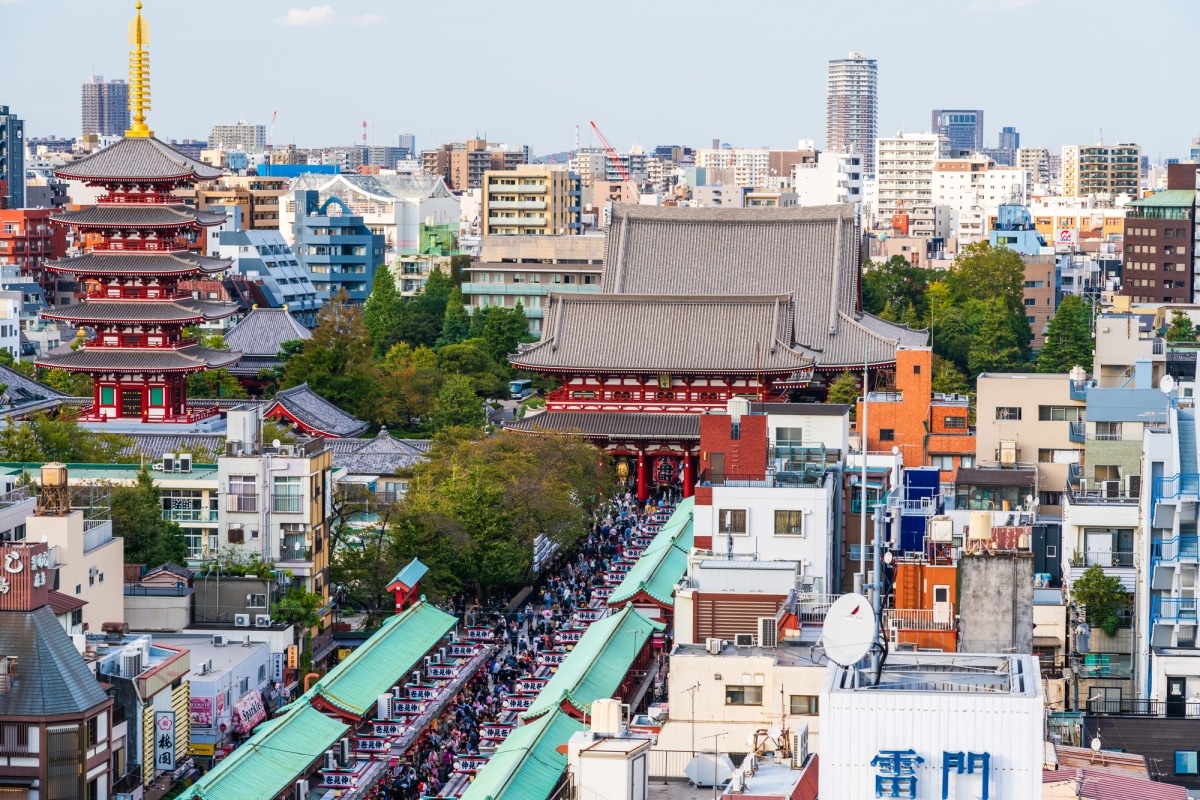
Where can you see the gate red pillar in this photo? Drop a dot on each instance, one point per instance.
(687, 475)
(643, 484)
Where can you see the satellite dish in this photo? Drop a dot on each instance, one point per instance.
(1167, 384)
(888, 558)
(1096, 744)
(275, 443)
(849, 630)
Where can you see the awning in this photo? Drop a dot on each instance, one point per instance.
(1047, 641)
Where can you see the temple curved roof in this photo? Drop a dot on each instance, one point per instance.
(811, 253)
(139, 263)
(716, 334)
(149, 215)
(126, 360)
(91, 312)
(138, 157)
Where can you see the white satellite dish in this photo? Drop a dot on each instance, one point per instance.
(1167, 384)
(275, 443)
(849, 630)
(1096, 744)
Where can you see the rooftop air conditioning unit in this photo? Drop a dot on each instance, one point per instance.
(185, 462)
(168, 462)
(1110, 488)
(1008, 452)
(301, 790)
(241, 620)
(713, 646)
(331, 759)
(219, 641)
(768, 631)
(744, 639)
(941, 529)
(1133, 486)
(262, 620)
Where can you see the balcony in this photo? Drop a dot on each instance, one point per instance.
(1079, 389)
(1106, 665)
(1077, 432)
(189, 515)
(920, 619)
(518, 205)
(96, 533)
(1118, 564)
(1177, 548)
(1173, 609)
(518, 188)
(1099, 493)
(514, 222)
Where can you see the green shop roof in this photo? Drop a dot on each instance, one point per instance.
(1171, 198)
(598, 664)
(280, 752)
(527, 766)
(373, 668)
(656, 574)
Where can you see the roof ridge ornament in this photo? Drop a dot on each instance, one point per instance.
(139, 76)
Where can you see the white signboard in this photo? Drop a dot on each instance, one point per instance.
(164, 741)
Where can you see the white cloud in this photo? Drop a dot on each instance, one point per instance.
(317, 15)
(1001, 5)
(369, 19)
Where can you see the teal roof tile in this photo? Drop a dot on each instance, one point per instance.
(598, 663)
(527, 766)
(281, 751)
(655, 573)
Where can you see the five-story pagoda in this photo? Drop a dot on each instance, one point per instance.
(140, 243)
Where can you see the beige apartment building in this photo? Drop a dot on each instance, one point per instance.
(1101, 169)
(531, 200)
(257, 197)
(1024, 420)
(463, 164)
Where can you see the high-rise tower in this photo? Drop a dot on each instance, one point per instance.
(143, 243)
(852, 108)
(104, 107)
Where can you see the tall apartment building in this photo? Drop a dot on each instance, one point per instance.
(963, 127)
(588, 164)
(833, 178)
(257, 196)
(1159, 247)
(968, 192)
(12, 159)
(905, 179)
(1037, 161)
(407, 143)
(337, 249)
(462, 164)
(1101, 169)
(240, 136)
(29, 241)
(104, 107)
(531, 200)
(852, 108)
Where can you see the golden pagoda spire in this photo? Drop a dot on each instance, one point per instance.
(139, 75)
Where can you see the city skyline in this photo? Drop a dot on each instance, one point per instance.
(385, 73)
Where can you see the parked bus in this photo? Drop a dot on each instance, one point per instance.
(519, 390)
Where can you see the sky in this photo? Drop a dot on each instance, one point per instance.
(751, 73)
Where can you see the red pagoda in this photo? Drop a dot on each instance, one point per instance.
(141, 242)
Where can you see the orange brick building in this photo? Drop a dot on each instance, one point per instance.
(929, 429)
(924, 602)
(28, 240)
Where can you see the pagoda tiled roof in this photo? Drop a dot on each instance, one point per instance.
(149, 311)
(114, 359)
(811, 253)
(54, 678)
(138, 157)
(315, 413)
(617, 424)
(147, 215)
(264, 330)
(656, 333)
(179, 263)
(382, 455)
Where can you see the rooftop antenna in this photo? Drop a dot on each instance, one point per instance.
(364, 133)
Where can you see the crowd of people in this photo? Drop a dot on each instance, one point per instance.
(518, 636)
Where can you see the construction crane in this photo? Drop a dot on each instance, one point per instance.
(271, 132)
(616, 159)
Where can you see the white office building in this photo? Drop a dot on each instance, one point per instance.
(968, 192)
(834, 178)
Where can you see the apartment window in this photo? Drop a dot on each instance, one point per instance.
(1008, 413)
(1047, 456)
(243, 493)
(92, 731)
(287, 494)
(237, 536)
(916, 369)
(256, 601)
(955, 422)
(942, 462)
(1031, 301)
(1186, 762)
(293, 546)
(743, 695)
(789, 523)
(887, 435)
(1059, 413)
(1050, 498)
(803, 705)
(732, 520)
(789, 437)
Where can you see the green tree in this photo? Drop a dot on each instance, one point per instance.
(983, 272)
(215, 383)
(844, 390)
(76, 384)
(383, 313)
(434, 296)
(1068, 341)
(1103, 596)
(895, 284)
(336, 362)
(501, 330)
(1181, 328)
(44, 437)
(947, 379)
(137, 518)
(456, 324)
(408, 383)
(457, 404)
(471, 359)
(995, 348)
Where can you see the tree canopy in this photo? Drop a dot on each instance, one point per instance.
(1181, 328)
(1068, 339)
(137, 517)
(44, 437)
